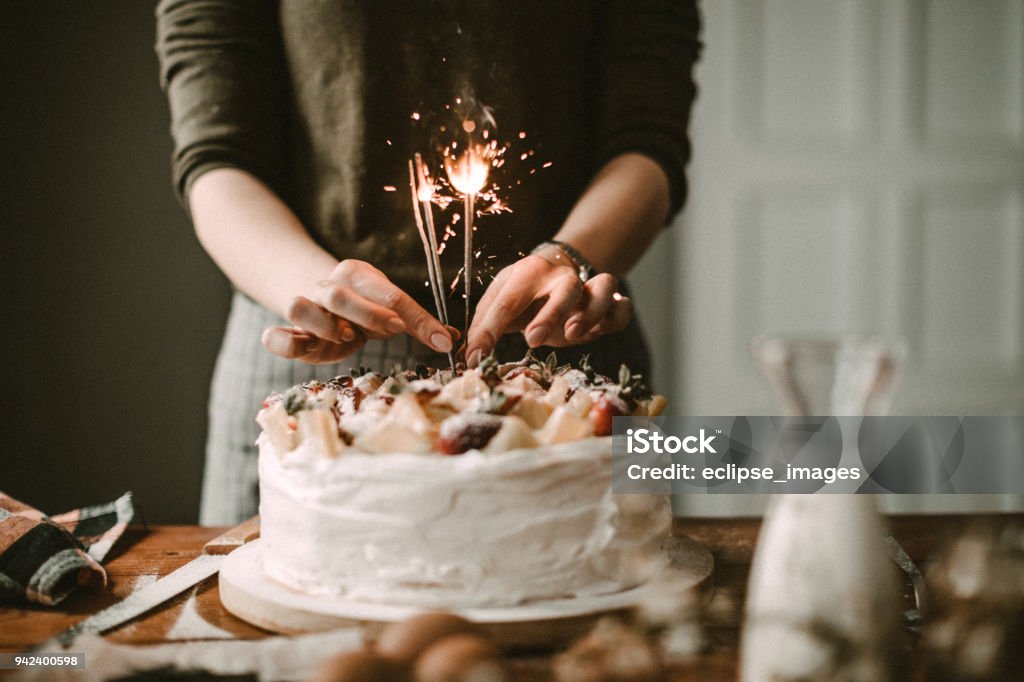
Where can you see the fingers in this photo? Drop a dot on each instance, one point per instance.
(599, 293)
(357, 302)
(286, 342)
(319, 322)
(344, 302)
(420, 324)
(502, 303)
(363, 294)
(551, 305)
(564, 298)
(297, 344)
(360, 302)
(618, 316)
(618, 311)
(479, 341)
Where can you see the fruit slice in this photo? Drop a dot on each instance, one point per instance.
(564, 426)
(513, 435)
(532, 410)
(318, 426)
(558, 393)
(657, 406)
(274, 420)
(460, 392)
(470, 431)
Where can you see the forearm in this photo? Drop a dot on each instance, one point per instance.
(255, 239)
(620, 214)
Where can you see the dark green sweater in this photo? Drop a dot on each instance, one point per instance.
(315, 98)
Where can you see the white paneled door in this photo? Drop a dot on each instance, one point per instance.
(859, 168)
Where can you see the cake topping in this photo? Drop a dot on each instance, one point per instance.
(469, 431)
(428, 410)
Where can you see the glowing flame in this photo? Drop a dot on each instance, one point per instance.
(468, 172)
(425, 191)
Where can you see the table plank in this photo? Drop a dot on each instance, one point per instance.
(141, 556)
(146, 554)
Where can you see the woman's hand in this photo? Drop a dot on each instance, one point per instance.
(549, 304)
(613, 222)
(357, 302)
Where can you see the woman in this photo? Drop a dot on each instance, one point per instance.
(291, 117)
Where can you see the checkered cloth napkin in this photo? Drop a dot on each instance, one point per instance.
(44, 558)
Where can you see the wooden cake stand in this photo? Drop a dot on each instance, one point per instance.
(247, 592)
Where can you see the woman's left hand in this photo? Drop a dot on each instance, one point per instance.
(550, 304)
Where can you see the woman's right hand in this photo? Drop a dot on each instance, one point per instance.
(355, 303)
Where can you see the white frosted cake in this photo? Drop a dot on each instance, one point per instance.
(490, 488)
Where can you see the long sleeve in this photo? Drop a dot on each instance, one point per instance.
(221, 67)
(649, 49)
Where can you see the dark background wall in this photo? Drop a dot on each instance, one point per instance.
(111, 311)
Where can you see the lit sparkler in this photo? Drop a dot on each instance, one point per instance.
(468, 175)
(422, 193)
(467, 164)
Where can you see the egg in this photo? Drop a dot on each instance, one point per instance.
(406, 640)
(461, 658)
(361, 666)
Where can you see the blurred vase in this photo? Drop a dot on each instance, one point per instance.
(842, 376)
(822, 601)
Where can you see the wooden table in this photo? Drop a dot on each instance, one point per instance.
(144, 554)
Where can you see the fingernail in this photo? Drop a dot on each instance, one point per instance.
(473, 358)
(573, 331)
(441, 342)
(348, 334)
(536, 336)
(395, 325)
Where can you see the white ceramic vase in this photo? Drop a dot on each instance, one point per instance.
(822, 600)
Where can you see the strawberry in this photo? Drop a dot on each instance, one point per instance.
(602, 412)
(467, 432)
